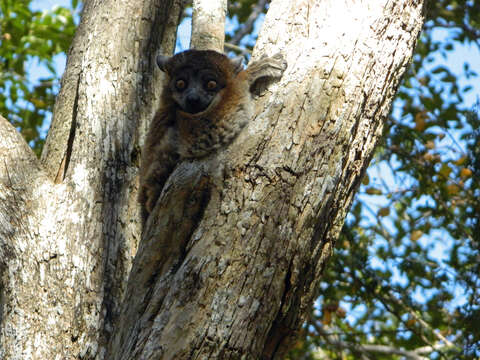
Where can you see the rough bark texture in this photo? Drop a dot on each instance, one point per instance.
(231, 256)
(208, 23)
(69, 223)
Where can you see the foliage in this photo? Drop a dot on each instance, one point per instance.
(241, 10)
(30, 39)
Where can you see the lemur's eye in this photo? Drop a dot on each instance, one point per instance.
(180, 84)
(212, 84)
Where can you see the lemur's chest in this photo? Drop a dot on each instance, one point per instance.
(200, 136)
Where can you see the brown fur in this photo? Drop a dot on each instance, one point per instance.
(175, 134)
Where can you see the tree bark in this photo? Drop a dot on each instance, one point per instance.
(69, 223)
(208, 23)
(231, 257)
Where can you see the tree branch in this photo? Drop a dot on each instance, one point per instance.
(19, 172)
(248, 25)
(365, 349)
(74, 241)
(474, 34)
(238, 49)
(422, 322)
(208, 24)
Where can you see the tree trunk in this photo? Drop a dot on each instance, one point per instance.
(69, 223)
(232, 254)
(231, 261)
(208, 22)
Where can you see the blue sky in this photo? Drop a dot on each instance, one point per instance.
(48, 4)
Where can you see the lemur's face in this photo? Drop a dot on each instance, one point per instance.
(197, 77)
(193, 89)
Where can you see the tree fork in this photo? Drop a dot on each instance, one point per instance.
(241, 279)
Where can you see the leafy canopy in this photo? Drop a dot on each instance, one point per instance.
(29, 42)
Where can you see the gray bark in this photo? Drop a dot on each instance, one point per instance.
(208, 23)
(232, 255)
(69, 223)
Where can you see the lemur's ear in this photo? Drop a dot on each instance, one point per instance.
(237, 62)
(162, 61)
